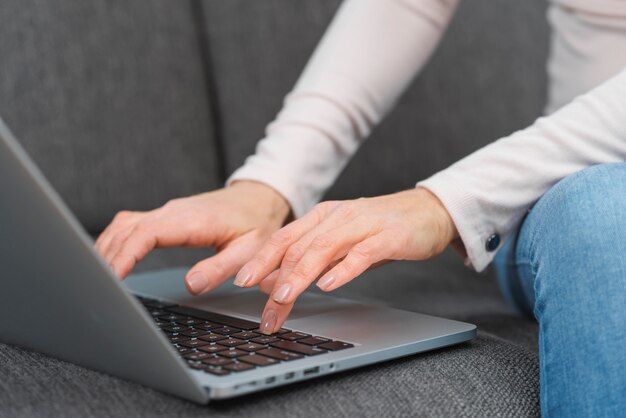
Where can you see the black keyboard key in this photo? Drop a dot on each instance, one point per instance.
(208, 326)
(157, 312)
(192, 332)
(258, 360)
(214, 317)
(245, 335)
(232, 353)
(335, 345)
(189, 321)
(239, 367)
(155, 304)
(313, 340)
(251, 347)
(264, 339)
(280, 354)
(171, 317)
(198, 366)
(178, 338)
(292, 336)
(213, 348)
(192, 343)
(218, 371)
(216, 361)
(212, 337)
(226, 330)
(197, 355)
(280, 331)
(184, 350)
(298, 348)
(175, 328)
(231, 342)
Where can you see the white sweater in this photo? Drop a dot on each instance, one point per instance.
(369, 55)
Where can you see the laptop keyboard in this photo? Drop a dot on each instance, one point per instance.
(220, 345)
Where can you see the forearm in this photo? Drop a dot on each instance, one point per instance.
(368, 56)
(490, 191)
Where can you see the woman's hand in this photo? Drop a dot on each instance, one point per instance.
(236, 220)
(340, 240)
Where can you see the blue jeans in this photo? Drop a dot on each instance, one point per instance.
(567, 268)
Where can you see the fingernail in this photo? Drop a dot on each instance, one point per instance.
(268, 322)
(326, 282)
(282, 293)
(197, 282)
(243, 277)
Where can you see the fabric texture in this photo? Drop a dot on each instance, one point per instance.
(109, 99)
(574, 280)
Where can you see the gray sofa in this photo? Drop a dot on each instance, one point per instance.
(126, 104)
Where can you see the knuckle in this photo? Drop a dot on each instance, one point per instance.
(322, 242)
(293, 254)
(143, 229)
(346, 210)
(362, 253)
(121, 215)
(280, 238)
(299, 274)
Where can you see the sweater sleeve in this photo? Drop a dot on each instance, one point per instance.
(488, 192)
(366, 59)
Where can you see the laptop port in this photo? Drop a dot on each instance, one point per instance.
(312, 370)
(289, 376)
(270, 380)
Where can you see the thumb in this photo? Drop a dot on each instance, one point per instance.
(213, 271)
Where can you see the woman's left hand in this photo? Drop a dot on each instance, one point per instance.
(339, 240)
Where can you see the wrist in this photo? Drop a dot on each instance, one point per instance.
(267, 196)
(445, 227)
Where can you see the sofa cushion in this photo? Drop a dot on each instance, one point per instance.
(109, 98)
(494, 51)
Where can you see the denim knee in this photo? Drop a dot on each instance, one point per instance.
(581, 220)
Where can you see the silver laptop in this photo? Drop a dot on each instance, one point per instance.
(59, 297)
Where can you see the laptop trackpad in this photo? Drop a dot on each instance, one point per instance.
(228, 299)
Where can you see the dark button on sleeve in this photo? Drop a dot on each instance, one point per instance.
(492, 242)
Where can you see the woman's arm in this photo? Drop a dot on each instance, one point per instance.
(489, 191)
(486, 193)
(368, 56)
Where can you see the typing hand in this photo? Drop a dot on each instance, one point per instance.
(235, 220)
(340, 240)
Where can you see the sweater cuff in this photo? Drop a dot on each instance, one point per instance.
(476, 232)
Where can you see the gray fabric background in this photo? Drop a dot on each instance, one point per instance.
(125, 104)
(109, 98)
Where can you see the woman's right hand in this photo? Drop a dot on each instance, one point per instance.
(236, 220)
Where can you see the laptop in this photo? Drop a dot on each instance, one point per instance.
(60, 298)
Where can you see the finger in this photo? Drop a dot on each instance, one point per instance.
(121, 221)
(266, 285)
(274, 316)
(360, 258)
(270, 255)
(213, 271)
(117, 242)
(143, 238)
(321, 251)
